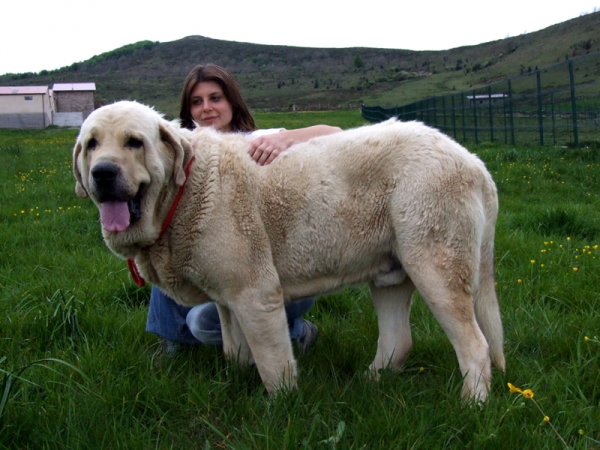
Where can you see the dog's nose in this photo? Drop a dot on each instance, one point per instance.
(105, 173)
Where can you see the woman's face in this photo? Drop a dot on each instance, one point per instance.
(209, 106)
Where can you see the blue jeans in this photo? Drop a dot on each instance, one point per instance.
(167, 319)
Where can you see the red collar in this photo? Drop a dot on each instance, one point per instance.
(135, 274)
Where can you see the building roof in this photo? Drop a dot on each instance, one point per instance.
(23, 90)
(74, 87)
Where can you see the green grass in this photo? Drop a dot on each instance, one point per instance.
(344, 118)
(79, 371)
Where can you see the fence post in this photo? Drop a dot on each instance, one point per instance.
(553, 119)
(510, 112)
(444, 112)
(573, 102)
(464, 123)
(475, 118)
(454, 117)
(539, 95)
(490, 109)
(504, 118)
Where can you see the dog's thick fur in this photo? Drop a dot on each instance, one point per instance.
(399, 206)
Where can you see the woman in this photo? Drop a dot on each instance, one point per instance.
(211, 98)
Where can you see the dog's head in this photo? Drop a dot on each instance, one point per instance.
(127, 158)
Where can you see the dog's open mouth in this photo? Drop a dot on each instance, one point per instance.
(118, 215)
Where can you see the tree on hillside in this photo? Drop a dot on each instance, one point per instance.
(358, 62)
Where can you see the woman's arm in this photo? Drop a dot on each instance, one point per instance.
(265, 149)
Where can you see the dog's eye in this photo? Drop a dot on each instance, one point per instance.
(91, 144)
(134, 143)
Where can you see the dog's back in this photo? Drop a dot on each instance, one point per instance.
(331, 207)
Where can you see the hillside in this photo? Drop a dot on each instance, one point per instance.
(313, 78)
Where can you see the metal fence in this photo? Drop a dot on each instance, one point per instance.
(556, 105)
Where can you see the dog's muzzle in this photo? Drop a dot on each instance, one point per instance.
(118, 207)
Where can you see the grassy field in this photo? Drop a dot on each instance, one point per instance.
(79, 371)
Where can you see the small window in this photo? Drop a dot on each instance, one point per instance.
(28, 97)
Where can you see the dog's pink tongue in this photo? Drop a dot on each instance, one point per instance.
(114, 216)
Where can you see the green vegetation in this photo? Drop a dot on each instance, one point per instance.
(70, 306)
(344, 118)
(358, 62)
(278, 77)
(121, 52)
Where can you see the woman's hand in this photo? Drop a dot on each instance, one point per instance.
(265, 149)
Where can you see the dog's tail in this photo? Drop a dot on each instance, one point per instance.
(487, 309)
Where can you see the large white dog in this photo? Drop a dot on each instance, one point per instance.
(399, 206)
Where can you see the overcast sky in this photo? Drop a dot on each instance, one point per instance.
(42, 34)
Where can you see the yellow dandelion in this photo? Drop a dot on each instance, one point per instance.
(568, 239)
(528, 393)
(581, 432)
(546, 419)
(533, 261)
(575, 269)
(422, 369)
(586, 338)
(514, 389)
(542, 265)
(519, 281)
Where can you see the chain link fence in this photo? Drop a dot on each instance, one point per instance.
(556, 105)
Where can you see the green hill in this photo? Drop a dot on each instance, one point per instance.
(277, 77)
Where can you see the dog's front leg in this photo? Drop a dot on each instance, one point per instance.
(262, 319)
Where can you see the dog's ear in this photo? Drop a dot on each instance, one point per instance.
(177, 142)
(79, 189)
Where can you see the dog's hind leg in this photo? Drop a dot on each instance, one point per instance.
(487, 309)
(392, 304)
(451, 302)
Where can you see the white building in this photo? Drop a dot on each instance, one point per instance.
(25, 107)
